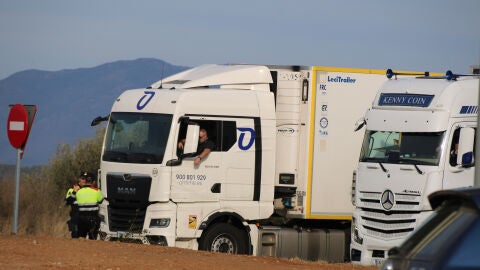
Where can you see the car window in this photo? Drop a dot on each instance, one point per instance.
(445, 234)
(440, 232)
(466, 253)
(426, 230)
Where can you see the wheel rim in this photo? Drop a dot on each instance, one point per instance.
(223, 244)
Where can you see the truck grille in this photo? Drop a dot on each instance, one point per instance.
(396, 222)
(124, 219)
(127, 196)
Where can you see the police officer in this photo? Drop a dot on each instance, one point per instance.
(88, 199)
(70, 199)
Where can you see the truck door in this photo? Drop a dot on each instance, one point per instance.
(457, 175)
(227, 172)
(240, 162)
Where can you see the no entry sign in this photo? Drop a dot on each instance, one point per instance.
(19, 123)
(17, 126)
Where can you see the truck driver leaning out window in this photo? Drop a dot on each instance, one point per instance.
(205, 146)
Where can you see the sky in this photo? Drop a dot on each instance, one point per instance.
(427, 35)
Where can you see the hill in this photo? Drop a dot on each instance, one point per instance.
(68, 100)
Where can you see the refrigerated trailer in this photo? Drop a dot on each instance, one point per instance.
(277, 183)
(419, 138)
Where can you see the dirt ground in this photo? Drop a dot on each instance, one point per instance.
(46, 252)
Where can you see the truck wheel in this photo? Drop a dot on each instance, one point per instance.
(224, 238)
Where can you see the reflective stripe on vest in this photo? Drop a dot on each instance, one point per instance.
(88, 207)
(88, 199)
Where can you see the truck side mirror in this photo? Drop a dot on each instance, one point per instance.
(98, 120)
(465, 147)
(191, 141)
(359, 124)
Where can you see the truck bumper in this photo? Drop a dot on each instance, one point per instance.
(159, 226)
(370, 250)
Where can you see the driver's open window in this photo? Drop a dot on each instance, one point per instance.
(454, 147)
(222, 133)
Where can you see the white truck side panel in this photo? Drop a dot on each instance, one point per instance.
(341, 98)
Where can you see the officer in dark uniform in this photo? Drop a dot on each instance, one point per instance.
(88, 199)
(70, 199)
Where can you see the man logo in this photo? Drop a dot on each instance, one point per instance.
(128, 191)
(387, 200)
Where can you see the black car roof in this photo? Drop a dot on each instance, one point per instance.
(470, 194)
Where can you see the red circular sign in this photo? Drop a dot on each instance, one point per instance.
(17, 125)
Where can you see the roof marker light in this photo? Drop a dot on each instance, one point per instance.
(390, 73)
(449, 75)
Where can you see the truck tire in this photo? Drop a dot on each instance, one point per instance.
(224, 238)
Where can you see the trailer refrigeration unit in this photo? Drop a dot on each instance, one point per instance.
(277, 183)
(419, 139)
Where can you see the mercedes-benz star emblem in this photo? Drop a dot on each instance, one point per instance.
(387, 199)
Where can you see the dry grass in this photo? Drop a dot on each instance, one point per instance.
(41, 209)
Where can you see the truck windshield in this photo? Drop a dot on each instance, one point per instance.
(416, 148)
(136, 137)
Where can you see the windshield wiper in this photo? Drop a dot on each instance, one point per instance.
(415, 164)
(418, 169)
(383, 167)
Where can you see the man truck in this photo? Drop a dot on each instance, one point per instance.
(419, 139)
(277, 183)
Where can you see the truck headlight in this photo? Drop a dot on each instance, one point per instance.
(356, 233)
(159, 222)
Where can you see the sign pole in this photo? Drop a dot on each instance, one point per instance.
(20, 120)
(17, 192)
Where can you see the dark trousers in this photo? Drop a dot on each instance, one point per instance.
(73, 223)
(88, 224)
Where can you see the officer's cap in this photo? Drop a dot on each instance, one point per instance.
(87, 176)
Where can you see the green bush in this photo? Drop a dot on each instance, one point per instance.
(42, 209)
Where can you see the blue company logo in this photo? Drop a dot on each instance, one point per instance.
(241, 143)
(142, 102)
(340, 79)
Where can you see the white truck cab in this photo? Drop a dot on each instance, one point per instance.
(145, 177)
(419, 138)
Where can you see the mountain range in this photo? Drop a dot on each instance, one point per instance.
(68, 100)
